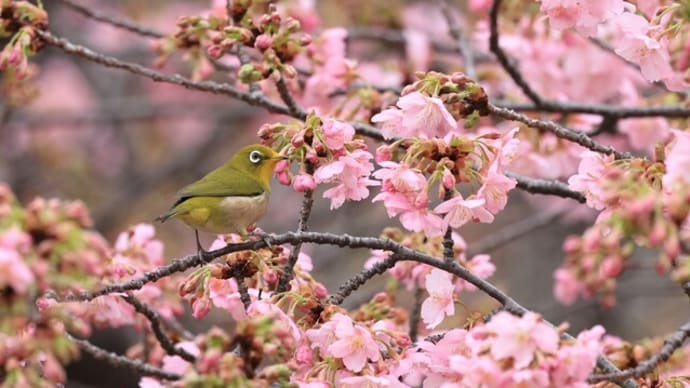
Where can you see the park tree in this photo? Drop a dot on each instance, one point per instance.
(420, 140)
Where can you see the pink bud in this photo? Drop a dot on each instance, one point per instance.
(304, 355)
(611, 267)
(448, 179)
(320, 291)
(270, 276)
(263, 42)
(383, 154)
(201, 307)
(658, 233)
(214, 51)
(303, 183)
(312, 157)
(571, 244)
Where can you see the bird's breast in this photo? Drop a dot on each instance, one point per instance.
(234, 214)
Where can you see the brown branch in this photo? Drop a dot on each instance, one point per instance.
(305, 212)
(155, 321)
(546, 187)
(415, 314)
(671, 344)
(113, 20)
(573, 135)
(122, 361)
(503, 59)
(256, 99)
(612, 111)
(288, 99)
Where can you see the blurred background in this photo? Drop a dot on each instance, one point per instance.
(124, 145)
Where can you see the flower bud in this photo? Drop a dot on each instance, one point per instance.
(263, 42)
(303, 183)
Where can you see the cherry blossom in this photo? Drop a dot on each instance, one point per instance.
(440, 301)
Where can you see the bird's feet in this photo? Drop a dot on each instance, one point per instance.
(259, 234)
(200, 251)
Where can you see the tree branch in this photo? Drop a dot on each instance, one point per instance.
(671, 344)
(462, 44)
(573, 135)
(503, 59)
(155, 321)
(122, 361)
(113, 20)
(612, 111)
(546, 187)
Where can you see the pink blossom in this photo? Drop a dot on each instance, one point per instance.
(418, 50)
(588, 179)
(566, 287)
(337, 133)
(520, 337)
(304, 182)
(495, 189)
(391, 123)
(459, 211)
(427, 116)
(479, 265)
(350, 173)
(150, 382)
(14, 272)
(177, 364)
(440, 301)
(225, 294)
(282, 172)
(644, 133)
(16, 239)
(575, 362)
(585, 15)
(354, 345)
(366, 381)
(677, 160)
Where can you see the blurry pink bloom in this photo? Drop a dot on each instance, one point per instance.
(391, 123)
(350, 174)
(495, 189)
(460, 211)
(426, 116)
(201, 306)
(588, 179)
(150, 382)
(282, 172)
(224, 294)
(110, 310)
(177, 364)
(354, 345)
(422, 219)
(574, 362)
(585, 15)
(652, 57)
(303, 182)
(337, 133)
(14, 272)
(440, 301)
(566, 287)
(479, 265)
(677, 160)
(418, 50)
(366, 381)
(520, 337)
(644, 133)
(480, 5)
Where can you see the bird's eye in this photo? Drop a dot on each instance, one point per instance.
(255, 157)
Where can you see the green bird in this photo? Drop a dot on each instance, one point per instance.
(229, 198)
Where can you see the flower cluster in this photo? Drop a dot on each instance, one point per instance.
(327, 152)
(644, 203)
(439, 284)
(478, 160)
(507, 351)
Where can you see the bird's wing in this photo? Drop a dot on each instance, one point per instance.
(223, 182)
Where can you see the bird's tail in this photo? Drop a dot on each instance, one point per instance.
(166, 216)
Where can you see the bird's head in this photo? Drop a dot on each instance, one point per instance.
(256, 160)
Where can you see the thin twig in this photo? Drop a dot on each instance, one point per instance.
(113, 20)
(288, 99)
(503, 59)
(305, 211)
(155, 321)
(546, 187)
(514, 231)
(259, 99)
(415, 314)
(612, 111)
(457, 34)
(448, 236)
(122, 361)
(671, 344)
(573, 135)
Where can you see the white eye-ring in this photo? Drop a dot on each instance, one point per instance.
(255, 157)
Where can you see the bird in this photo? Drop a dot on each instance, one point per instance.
(229, 198)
